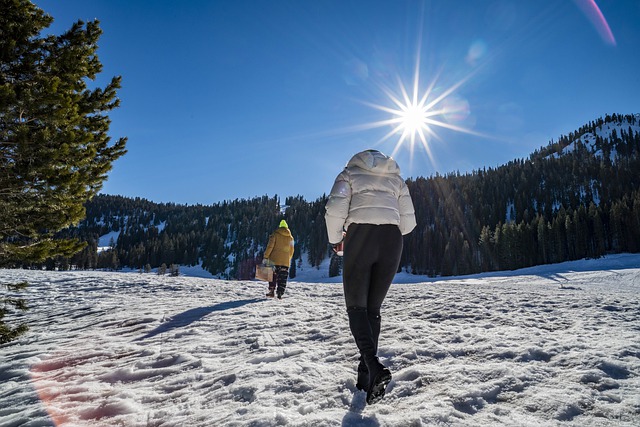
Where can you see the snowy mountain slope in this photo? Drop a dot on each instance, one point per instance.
(605, 132)
(546, 346)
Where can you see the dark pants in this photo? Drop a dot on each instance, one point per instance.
(280, 276)
(371, 259)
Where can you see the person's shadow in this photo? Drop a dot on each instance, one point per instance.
(193, 315)
(354, 417)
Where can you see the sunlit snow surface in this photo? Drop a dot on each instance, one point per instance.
(549, 346)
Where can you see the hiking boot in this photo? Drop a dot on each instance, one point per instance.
(270, 294)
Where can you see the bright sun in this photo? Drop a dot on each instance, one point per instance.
(414, 115)
(415, 112)
(413, 119)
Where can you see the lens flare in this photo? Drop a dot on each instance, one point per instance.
(593, 13)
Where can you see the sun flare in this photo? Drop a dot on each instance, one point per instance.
(415, 114)
(413, 119)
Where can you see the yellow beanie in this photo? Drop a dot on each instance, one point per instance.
(283, 224)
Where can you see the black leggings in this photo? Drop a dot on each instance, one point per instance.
(371, 259)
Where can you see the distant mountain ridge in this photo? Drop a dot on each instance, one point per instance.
(577, 197)
(591, 136)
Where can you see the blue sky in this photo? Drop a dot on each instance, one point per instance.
(232, 99)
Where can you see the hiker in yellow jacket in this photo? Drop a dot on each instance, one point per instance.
(279, 252)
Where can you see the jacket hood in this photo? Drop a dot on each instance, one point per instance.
(283, 231)
(374, 161)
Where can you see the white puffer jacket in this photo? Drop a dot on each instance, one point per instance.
(369, 190)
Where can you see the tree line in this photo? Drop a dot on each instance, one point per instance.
(579, 197)
(226, 239)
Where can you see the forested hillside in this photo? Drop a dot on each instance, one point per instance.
(577, 197)
(227, 238)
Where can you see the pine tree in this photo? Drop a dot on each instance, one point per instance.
(162, 270)
(54, 147)
(292, 270)
(334, 265)
(8, 333)
(543, 240)
(174, 270)
(486, 252)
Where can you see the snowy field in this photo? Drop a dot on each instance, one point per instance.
(549, 346)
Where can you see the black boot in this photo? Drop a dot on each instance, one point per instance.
(363, 373)
(363, 376)
(374, 323)
(379, 379)
(379, 376)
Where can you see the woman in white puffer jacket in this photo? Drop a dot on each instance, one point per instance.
(371, 203)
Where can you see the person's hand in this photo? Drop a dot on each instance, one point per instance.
(338, 248)
(267, 262)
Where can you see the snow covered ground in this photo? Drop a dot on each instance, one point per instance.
(547, 346)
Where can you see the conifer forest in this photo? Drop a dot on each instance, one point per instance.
(578, 197)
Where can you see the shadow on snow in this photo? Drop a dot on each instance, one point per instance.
(188, 317)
